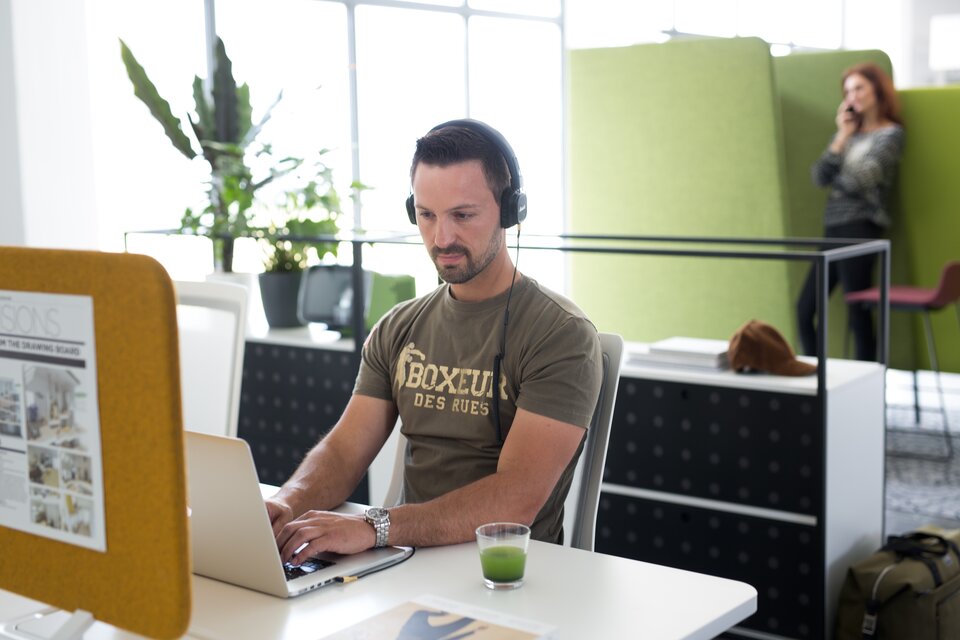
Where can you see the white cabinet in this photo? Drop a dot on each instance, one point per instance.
(750, 476)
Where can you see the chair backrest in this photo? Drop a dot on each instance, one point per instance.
(212, 321)
(395, 489)
(948, 290)
(583, 500)
(326, 295)
(584, 497)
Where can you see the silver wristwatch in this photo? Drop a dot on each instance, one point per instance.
(380, 519)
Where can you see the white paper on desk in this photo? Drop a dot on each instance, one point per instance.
(694, 347)
(690, 352)
(431, 616)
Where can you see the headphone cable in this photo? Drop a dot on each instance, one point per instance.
(503, 345)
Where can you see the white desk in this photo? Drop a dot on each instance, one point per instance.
(585, 595)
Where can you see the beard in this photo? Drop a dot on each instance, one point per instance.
(471, 266)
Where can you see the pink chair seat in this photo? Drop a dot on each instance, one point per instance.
(922, 300)
(917, 298)
(900, 296)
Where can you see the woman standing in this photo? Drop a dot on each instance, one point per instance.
(859, 167)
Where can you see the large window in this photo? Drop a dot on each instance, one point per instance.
(365, 79)
(297, 48)
(141, 181)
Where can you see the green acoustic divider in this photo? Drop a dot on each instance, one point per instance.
(714, 137)
(930, 208)
(681, 138)
(809, 86)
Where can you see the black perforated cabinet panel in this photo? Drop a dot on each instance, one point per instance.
(290, 397)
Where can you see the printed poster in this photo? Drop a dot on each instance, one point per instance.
(51, 470)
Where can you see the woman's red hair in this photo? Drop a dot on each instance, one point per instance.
(882, 86)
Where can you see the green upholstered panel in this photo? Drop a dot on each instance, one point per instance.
(387, 291)
(809, 86)
(681, 138)
(930, 208)
(694, 138)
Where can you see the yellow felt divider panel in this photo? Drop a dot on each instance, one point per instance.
(142, 582)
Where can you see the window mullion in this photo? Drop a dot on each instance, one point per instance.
(354, 117)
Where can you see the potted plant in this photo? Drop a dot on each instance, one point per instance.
(311, 209)
(225, 133)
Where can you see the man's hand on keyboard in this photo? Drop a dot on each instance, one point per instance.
(318, 531)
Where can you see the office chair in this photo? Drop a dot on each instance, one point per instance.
(922, 300)
(585, 490)
(212, 322)
(326, 295)
(580, 509)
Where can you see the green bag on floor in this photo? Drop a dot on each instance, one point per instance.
(908, 590)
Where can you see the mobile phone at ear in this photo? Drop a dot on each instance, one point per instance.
(857, 117)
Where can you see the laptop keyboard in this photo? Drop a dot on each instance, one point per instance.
(313, 564)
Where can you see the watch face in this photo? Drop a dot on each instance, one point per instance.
(376, 513)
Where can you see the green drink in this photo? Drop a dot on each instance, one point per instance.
(503, 553)
(503, 564)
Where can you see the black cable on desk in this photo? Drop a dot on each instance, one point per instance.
(363, 574)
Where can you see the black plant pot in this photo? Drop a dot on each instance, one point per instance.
(279, 294)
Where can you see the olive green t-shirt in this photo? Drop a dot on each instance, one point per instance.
(433, 357)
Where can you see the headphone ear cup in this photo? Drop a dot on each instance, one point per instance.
(513, 207)
(411, 210)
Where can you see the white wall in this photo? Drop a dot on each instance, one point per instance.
(49, 149)
(11, 205)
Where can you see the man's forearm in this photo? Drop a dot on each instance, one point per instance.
(454, 517)
(332, 469)
(320, 482)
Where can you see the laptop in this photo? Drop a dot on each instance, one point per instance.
(230, 533)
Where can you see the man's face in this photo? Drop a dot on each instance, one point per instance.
(458, 218)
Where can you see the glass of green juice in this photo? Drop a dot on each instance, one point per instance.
(503, 553)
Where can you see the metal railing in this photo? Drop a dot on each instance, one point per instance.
(821, 252)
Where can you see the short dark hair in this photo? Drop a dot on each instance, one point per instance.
(454, 144)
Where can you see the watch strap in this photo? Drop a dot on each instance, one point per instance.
(380, 520)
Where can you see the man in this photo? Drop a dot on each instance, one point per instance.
(494, 378)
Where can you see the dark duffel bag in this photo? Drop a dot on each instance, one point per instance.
(908, 590)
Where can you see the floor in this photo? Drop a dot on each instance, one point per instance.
(922, 486)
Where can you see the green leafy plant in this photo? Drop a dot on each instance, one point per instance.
(224, 130)
(284, 254)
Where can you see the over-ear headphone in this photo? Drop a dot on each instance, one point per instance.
(513, 201)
